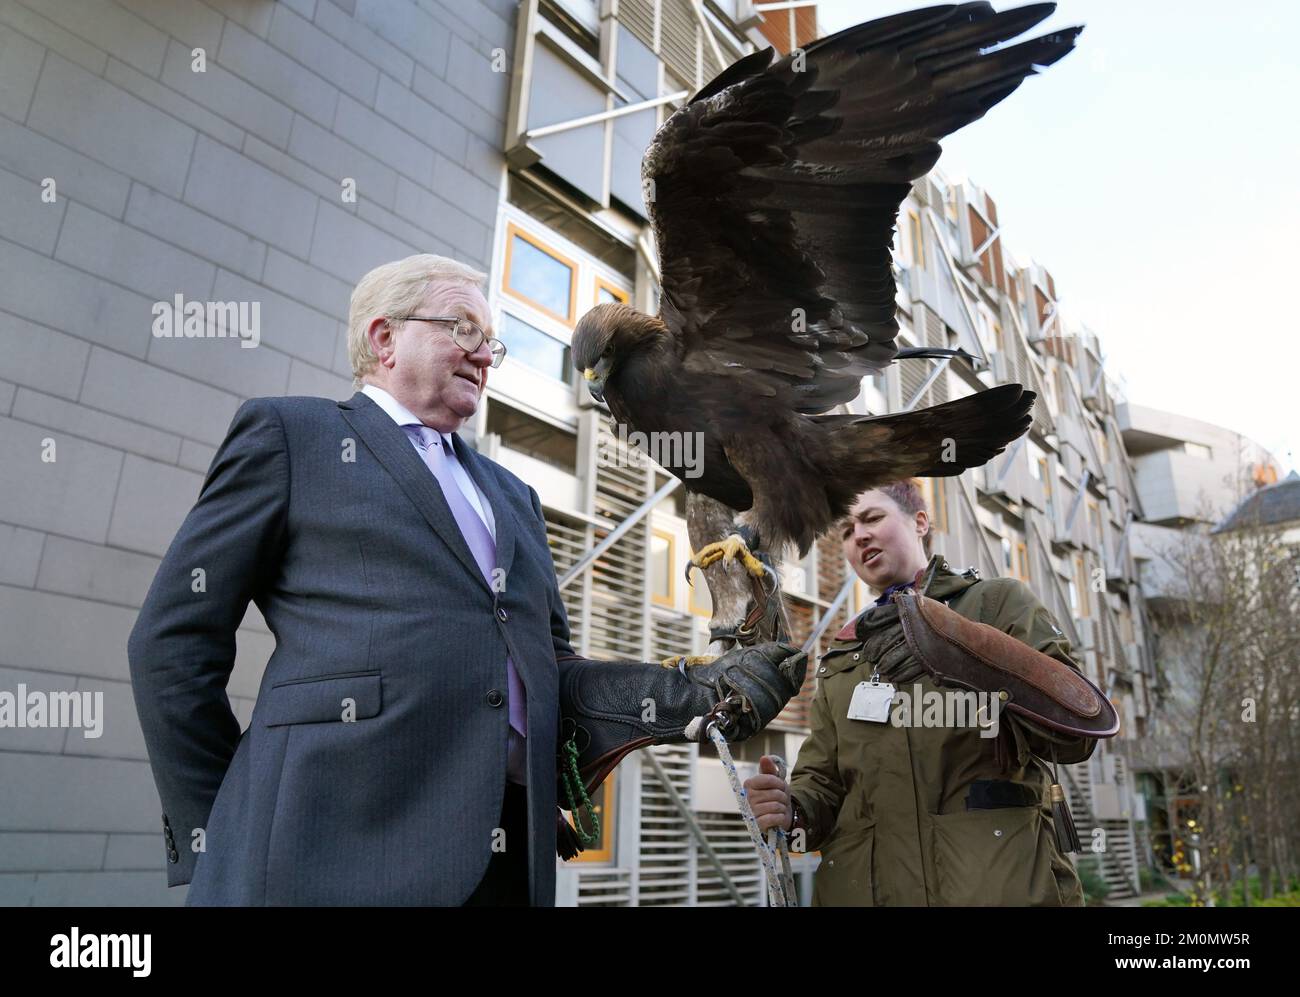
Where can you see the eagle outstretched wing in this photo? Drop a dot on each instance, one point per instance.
(774, 192)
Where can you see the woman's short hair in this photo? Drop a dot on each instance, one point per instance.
(907, 495)
(397, 289)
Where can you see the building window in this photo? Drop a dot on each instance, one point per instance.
(531, 346)
(1022, 561)
(607, 292)
(540, 276)
(1081, 580)
(1007, 564)
(662, 574)
(918, 240)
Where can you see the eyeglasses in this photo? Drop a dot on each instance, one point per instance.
(465, 334)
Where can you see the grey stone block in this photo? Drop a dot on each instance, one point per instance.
(225, 363)
(112, 28)
(57, 633)
(79, 420)
(287, 325)
(316, 50)
(356, 36)
(23, 851)
(166, 99)
(348, 247)
(409, 28)
(289, 168)
(152, 502)
(196, 456)
(475, 196)
(304, 379)
(339, 159)
(470, 69)
(147, 394)
(367, 130)
(76, 177)
(56, 295)
(118, 725)
(195, 231)
(224, 93)
(486, 125)
(307, 285)
(421, 118)
(28, 220)
(342, 359)
(250, 197)
(21, 58)
(71, 495)
(194, 23)
(6, 396)
(253, 650)
(93, 571)
(133, 851)
(92, 889)
(37, 739)
(273, 72)
(108, 124)
(255, 15)
(98, 244)
(53, 37)
(435, 214)
(41, 357)
(20, 555)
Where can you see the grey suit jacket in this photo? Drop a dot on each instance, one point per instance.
(374, 767)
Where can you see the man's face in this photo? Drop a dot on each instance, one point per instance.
(881, 541)
(424, 368)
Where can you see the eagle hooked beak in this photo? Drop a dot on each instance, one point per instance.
(596, 381)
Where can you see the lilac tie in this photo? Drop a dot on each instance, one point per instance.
(481, 544)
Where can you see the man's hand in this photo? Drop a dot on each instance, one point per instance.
(769, 796)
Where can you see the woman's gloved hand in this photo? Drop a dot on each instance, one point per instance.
(884, 647)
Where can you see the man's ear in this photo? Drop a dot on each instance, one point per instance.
(381, 332)
(922, 523)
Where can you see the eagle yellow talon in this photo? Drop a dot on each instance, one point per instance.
(731, 549)
(691, 660)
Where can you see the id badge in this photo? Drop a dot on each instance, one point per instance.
(871, 701)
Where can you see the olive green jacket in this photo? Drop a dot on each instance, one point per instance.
(886, 804)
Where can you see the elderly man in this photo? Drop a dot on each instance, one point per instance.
(403, 745)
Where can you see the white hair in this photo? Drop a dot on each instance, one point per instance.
(396, 290)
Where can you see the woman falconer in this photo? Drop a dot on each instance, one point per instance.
(916, 806)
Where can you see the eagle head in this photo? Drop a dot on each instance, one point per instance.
(603, 337)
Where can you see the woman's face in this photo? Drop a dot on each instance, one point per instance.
(882, 542)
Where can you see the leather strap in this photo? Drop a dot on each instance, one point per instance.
(957, 651)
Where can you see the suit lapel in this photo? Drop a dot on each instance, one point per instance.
(475, 465)
(392, 448)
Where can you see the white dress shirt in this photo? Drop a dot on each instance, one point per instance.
(403, 416)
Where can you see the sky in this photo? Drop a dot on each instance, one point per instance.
(1155, 172)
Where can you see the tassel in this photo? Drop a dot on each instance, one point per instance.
(1067, 838)
(567, 843)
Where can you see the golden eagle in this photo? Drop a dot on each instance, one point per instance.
(773, 194)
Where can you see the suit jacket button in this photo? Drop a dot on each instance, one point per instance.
(502, 615)
(495, 699)
(173, 856)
